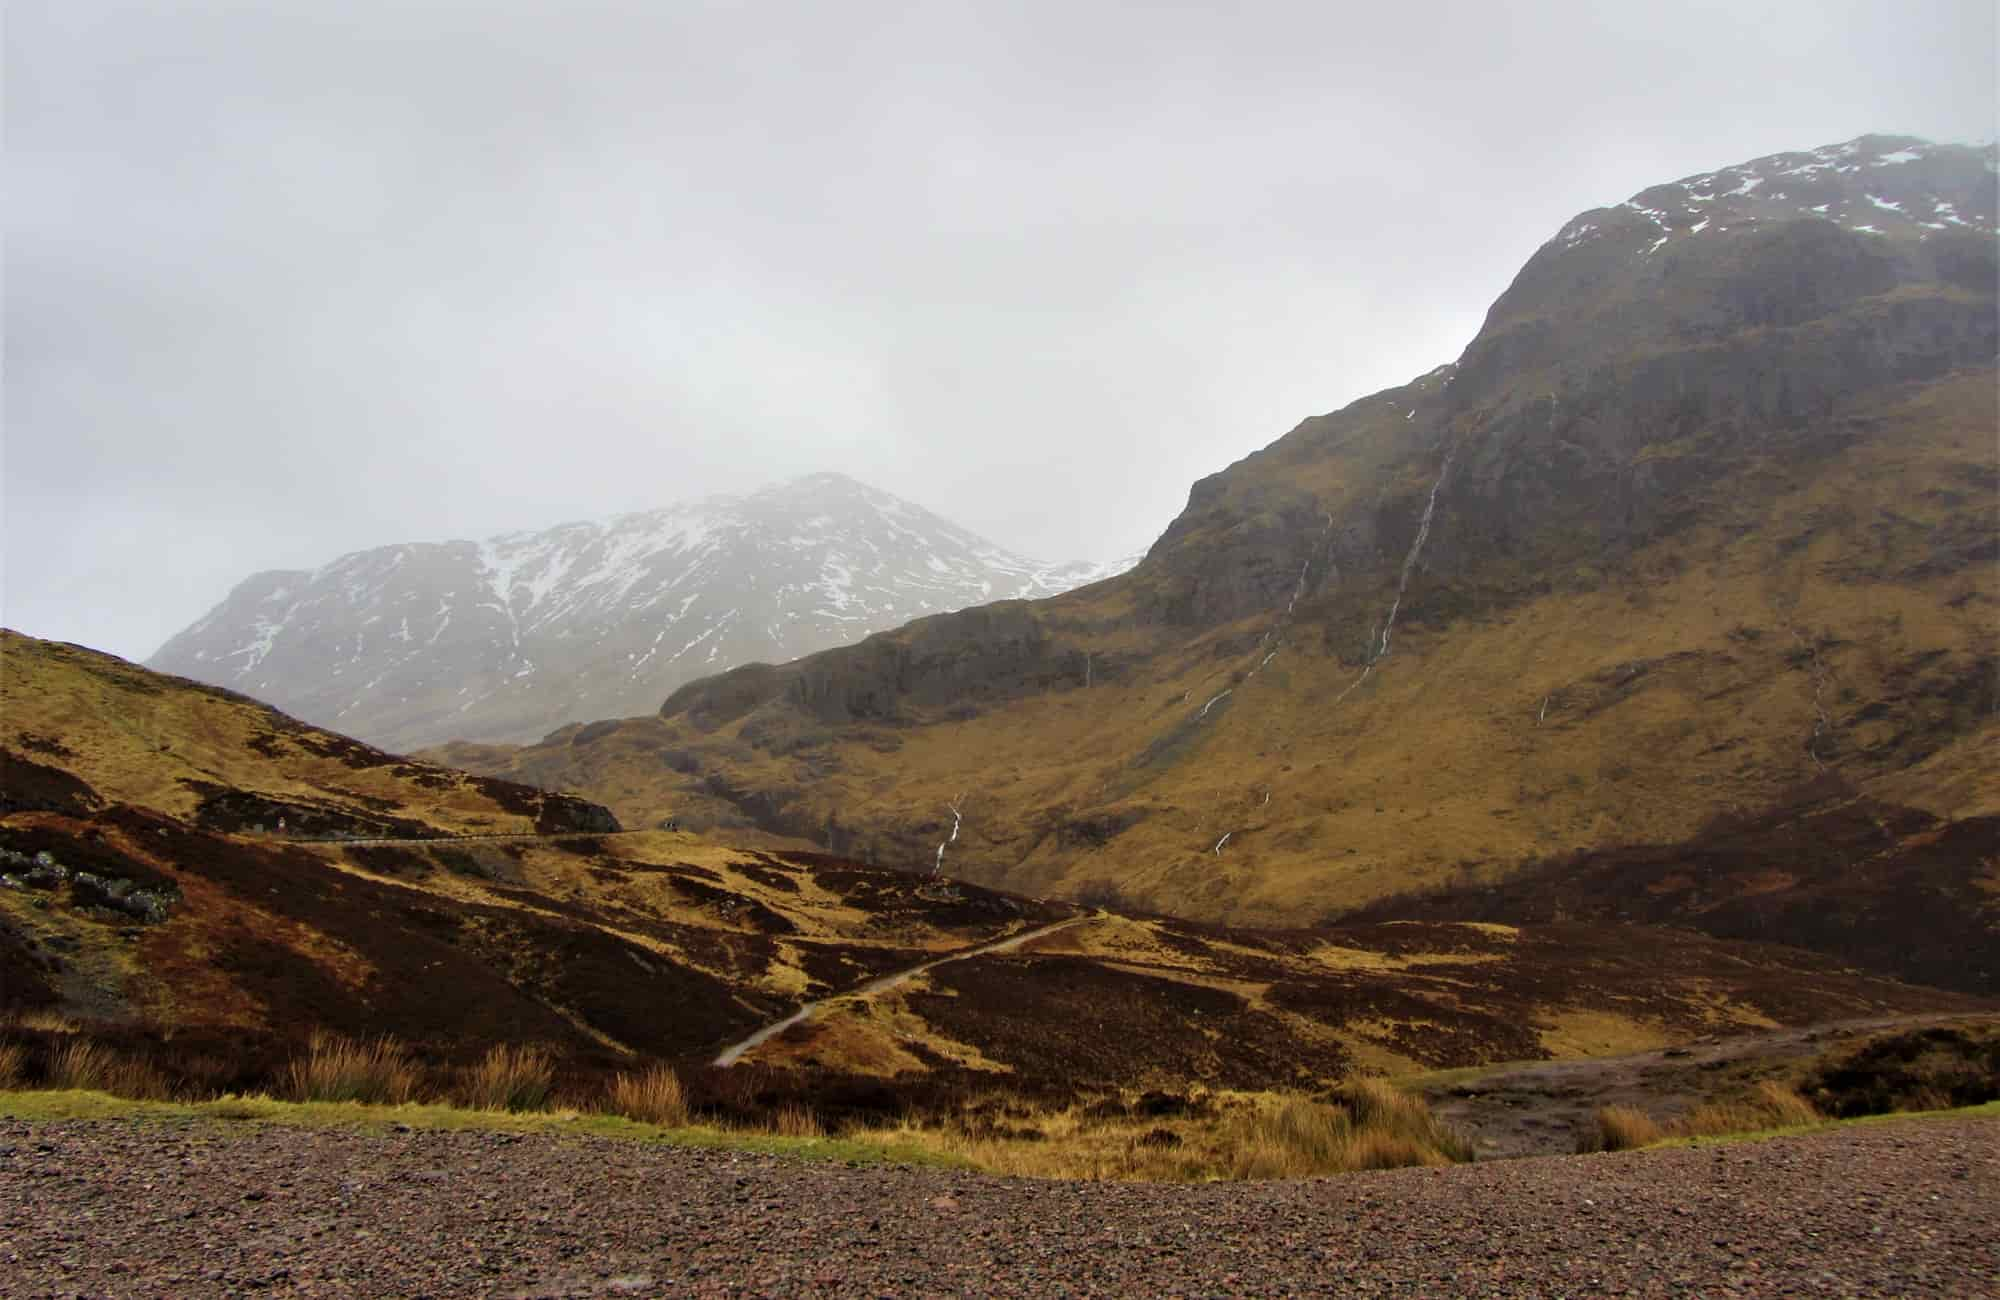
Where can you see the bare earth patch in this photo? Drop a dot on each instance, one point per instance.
(1533, 1108)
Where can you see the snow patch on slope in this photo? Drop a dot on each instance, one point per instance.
(1875, 185)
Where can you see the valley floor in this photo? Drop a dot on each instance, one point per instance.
(150, 1209)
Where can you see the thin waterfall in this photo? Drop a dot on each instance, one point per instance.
(1274, 636)
(957, 818)
(1380, 649)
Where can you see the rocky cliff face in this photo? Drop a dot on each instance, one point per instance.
(1646, 353)
(509, 638)
(1647, 350)
(1703, 513)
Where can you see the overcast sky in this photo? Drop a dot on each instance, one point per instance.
(287, 279)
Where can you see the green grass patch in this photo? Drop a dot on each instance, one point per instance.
(1426, 1080)
(1985, 1110)
(53, 1106)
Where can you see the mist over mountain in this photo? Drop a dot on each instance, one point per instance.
(507, 638)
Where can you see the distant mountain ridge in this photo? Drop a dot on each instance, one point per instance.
(508, 638)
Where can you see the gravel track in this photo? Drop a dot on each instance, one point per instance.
(119, 1208)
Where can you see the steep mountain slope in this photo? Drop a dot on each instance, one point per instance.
(1703, 513)
(508, 638)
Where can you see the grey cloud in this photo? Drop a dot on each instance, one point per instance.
(288, 279)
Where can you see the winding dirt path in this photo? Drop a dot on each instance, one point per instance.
(882, 983)
(444, 841)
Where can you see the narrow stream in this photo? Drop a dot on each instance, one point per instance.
(882, 983)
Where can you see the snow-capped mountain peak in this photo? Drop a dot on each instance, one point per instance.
(506, 638)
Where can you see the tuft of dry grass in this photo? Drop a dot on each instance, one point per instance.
(1770, 1105)
(43, 1020)
(1366, 1124)
(1372, 1149)
(13, 1063)
(1620, 1128)
(79, 1063)
(1927, 1097)
(798, 1122)
(510, 1076)
(93, 1067)
(338, 1069)
(199, 1075)
(652, 1097)
(1380, 1107)
(1295, 1138)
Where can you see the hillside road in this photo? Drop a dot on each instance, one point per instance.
(883, 983)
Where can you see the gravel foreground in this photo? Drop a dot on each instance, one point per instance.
(120, 1208)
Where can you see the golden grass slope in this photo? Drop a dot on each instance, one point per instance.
(150, 741)
(1835, 613)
